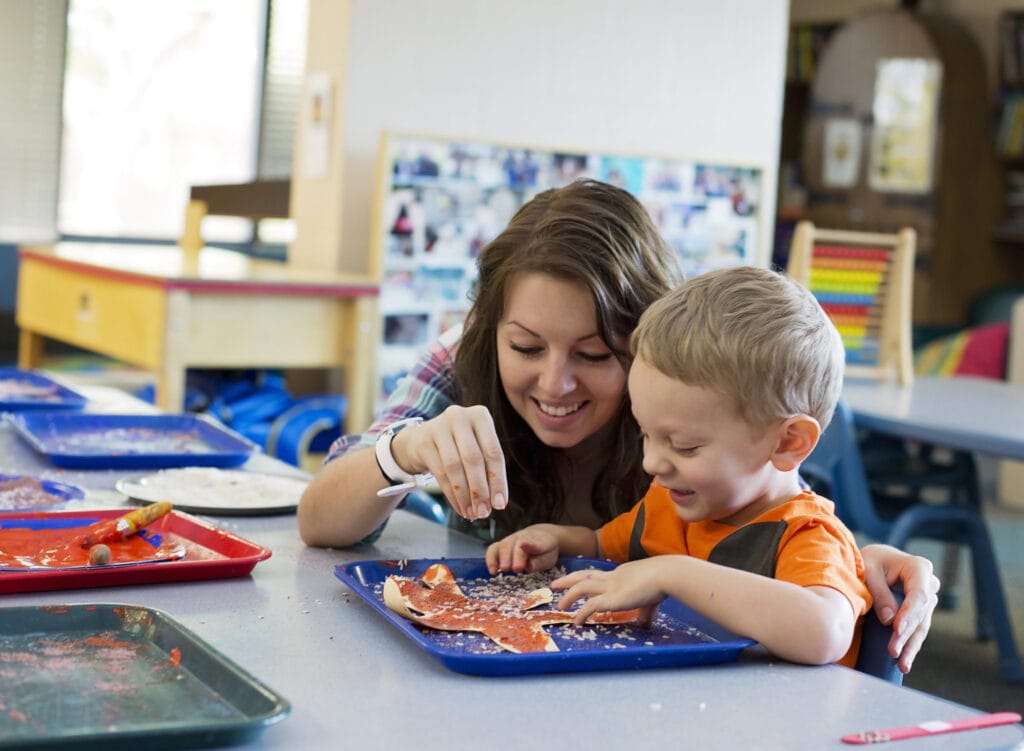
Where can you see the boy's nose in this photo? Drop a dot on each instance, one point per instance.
(653, 462)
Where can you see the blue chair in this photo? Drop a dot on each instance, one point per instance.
(423, 504)
(874, 658)
(837, 462)
(308, 424)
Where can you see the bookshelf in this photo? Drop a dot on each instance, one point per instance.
(1009, 127)
(807, 42)
(898, 133)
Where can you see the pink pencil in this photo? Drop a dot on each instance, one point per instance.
(932, 728)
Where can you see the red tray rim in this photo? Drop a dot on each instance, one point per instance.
(235, 563)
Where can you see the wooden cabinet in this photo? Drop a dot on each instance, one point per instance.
(897, 133)
(137, 304)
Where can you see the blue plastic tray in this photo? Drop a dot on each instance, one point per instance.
(61, 491)
(678, 637)
(44, 393)
(90, 441)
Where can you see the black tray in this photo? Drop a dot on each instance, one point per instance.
(121, 677)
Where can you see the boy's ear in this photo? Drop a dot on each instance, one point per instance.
(797, 438)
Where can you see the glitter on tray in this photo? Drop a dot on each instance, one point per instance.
(665, 630)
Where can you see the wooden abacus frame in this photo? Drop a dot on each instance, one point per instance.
(879, 267)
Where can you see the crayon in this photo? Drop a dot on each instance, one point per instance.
(113, 530)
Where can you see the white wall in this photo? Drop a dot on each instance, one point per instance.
(686, 78)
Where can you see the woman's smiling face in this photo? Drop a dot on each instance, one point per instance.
(556, 370)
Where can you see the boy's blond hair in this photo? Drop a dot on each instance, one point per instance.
(753, 335)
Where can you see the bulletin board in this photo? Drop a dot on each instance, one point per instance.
(441, 200)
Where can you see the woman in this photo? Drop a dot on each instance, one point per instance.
(523, 416)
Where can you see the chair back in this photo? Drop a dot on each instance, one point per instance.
(836, 461)
(864, 281)
(874, 658)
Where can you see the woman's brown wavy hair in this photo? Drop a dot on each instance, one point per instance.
(597, 235)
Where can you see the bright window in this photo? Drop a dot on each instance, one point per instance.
(158, 96)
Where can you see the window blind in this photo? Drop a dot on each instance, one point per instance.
(31, 75)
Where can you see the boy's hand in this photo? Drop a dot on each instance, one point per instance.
(631, 585)
(534, 548)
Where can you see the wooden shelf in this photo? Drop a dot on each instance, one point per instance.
(1009, 232)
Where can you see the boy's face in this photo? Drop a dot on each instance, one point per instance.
(714, 465)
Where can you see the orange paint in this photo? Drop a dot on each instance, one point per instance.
(31, 548)
(509, 621)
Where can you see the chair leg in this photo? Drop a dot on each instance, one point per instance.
(993, 616)
(967, 495)
(950, 576)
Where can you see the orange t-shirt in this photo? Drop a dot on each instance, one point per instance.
(800, 541)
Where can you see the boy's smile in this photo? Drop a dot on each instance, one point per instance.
(714, 465)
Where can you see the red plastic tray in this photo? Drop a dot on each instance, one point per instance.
(210, 553)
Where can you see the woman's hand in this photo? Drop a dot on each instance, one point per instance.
(885, 566)
(460, 449)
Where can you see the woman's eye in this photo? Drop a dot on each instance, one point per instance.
(527, 351)
(604, 357)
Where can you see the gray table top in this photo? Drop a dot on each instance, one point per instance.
(967, 413)
(355, 681)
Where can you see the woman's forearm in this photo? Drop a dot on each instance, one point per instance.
(341, 507)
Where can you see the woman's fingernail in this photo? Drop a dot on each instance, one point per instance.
(499, 501)
(887, 614)
(482, 511)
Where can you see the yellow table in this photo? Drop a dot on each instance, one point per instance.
(158, 309)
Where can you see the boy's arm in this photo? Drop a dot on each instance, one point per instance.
(538, 547)
(812, 625)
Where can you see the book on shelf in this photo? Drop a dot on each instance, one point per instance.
(1010, 129)
(1011, 48)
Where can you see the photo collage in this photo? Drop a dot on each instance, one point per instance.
(444, 200)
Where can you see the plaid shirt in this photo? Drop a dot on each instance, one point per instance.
(426, 391)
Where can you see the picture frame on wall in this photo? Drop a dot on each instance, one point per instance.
(441, 200)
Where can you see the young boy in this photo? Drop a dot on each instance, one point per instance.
(736, 373)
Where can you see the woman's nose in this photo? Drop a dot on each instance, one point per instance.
(557, 377)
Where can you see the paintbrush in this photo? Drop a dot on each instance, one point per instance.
(112, 530)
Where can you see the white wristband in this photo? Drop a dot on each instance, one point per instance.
(393, 473)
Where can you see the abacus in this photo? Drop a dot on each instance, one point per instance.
(864, 282)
